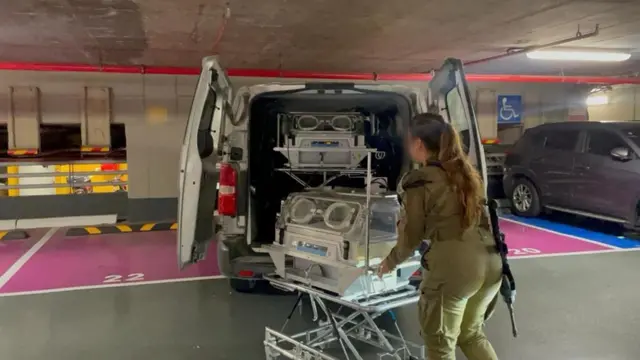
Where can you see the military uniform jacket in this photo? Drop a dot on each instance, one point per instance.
(430, 210)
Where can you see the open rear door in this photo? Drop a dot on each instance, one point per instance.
(449, 92)
(201, 152)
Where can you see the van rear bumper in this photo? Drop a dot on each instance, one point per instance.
(224, 261)
(243, 267)
(252, 267)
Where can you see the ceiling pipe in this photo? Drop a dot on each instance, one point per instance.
(168, 70)
(517, 51)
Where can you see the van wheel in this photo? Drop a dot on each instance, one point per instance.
(525, 200)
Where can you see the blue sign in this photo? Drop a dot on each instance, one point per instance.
(509, 109)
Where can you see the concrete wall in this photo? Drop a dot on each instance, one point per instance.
(542, 103)
(154, 109)
(624, 105)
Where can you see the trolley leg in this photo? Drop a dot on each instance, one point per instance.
(293, 309)
(340, 334)
(347, 329)
(381, 337)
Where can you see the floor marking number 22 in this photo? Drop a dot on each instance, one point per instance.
(119, 278)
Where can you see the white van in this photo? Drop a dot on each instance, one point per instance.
(232, 182)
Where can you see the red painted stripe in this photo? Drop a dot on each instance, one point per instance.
(168, 70)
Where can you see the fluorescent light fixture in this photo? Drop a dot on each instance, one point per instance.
(578, 55)
(595, 100)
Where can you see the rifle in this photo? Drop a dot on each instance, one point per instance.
(508, 286)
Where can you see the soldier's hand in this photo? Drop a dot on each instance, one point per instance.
(384, 268)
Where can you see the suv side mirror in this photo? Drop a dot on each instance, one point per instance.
(621, 154)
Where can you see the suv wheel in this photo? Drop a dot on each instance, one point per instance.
(525, 200)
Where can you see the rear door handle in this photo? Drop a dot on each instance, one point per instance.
(583, 167)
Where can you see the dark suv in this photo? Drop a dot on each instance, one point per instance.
(584, 168)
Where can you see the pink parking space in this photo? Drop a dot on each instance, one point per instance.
(12, 250)
(529, 241)
(106, 260)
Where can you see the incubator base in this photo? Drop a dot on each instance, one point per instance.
(339, 278)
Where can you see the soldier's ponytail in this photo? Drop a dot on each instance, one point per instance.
(462, 175)
(441, 139)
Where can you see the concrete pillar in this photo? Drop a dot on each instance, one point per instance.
(95, 123)
(153, 151)
(24, 119)
(624, 105)
(533, 110)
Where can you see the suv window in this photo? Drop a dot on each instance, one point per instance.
(601, 142)
(632, 133)
(561, 139)
(538, 140)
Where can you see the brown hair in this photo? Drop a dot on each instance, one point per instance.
(441, 139)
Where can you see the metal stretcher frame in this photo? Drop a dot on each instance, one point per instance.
(359, 325)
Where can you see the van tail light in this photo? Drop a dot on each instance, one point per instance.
(246, 273)
(227, 190)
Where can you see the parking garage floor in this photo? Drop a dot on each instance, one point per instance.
(122, 297)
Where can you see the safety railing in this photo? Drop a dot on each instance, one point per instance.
(63, 177)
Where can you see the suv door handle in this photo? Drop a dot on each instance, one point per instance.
(583, 167)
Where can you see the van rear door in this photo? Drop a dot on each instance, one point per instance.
(449, 92)
(199, 158)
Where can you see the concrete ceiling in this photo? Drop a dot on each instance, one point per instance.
(318, 35)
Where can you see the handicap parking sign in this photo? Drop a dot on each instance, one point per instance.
(509, 109)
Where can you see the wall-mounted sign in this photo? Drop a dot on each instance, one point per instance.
(509, 109)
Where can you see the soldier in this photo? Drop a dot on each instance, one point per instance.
(443, 201)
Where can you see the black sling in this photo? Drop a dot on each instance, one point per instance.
(508, 287)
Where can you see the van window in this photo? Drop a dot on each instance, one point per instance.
(204, 140)
(601, 142)
(565, 140)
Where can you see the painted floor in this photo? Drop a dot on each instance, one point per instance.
(49, 261)
(85, 262)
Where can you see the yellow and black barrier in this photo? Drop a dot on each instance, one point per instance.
(121, 229)
(13, 235)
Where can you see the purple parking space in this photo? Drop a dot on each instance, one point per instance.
(85, 262)
(104, 260)
(12, 250)
(529, 241)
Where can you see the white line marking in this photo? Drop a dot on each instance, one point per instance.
(590, 252)
(92, 287)
(219, 277)
(561, 234)
(25, 257)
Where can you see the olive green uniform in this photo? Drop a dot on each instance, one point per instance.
(461, 286)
